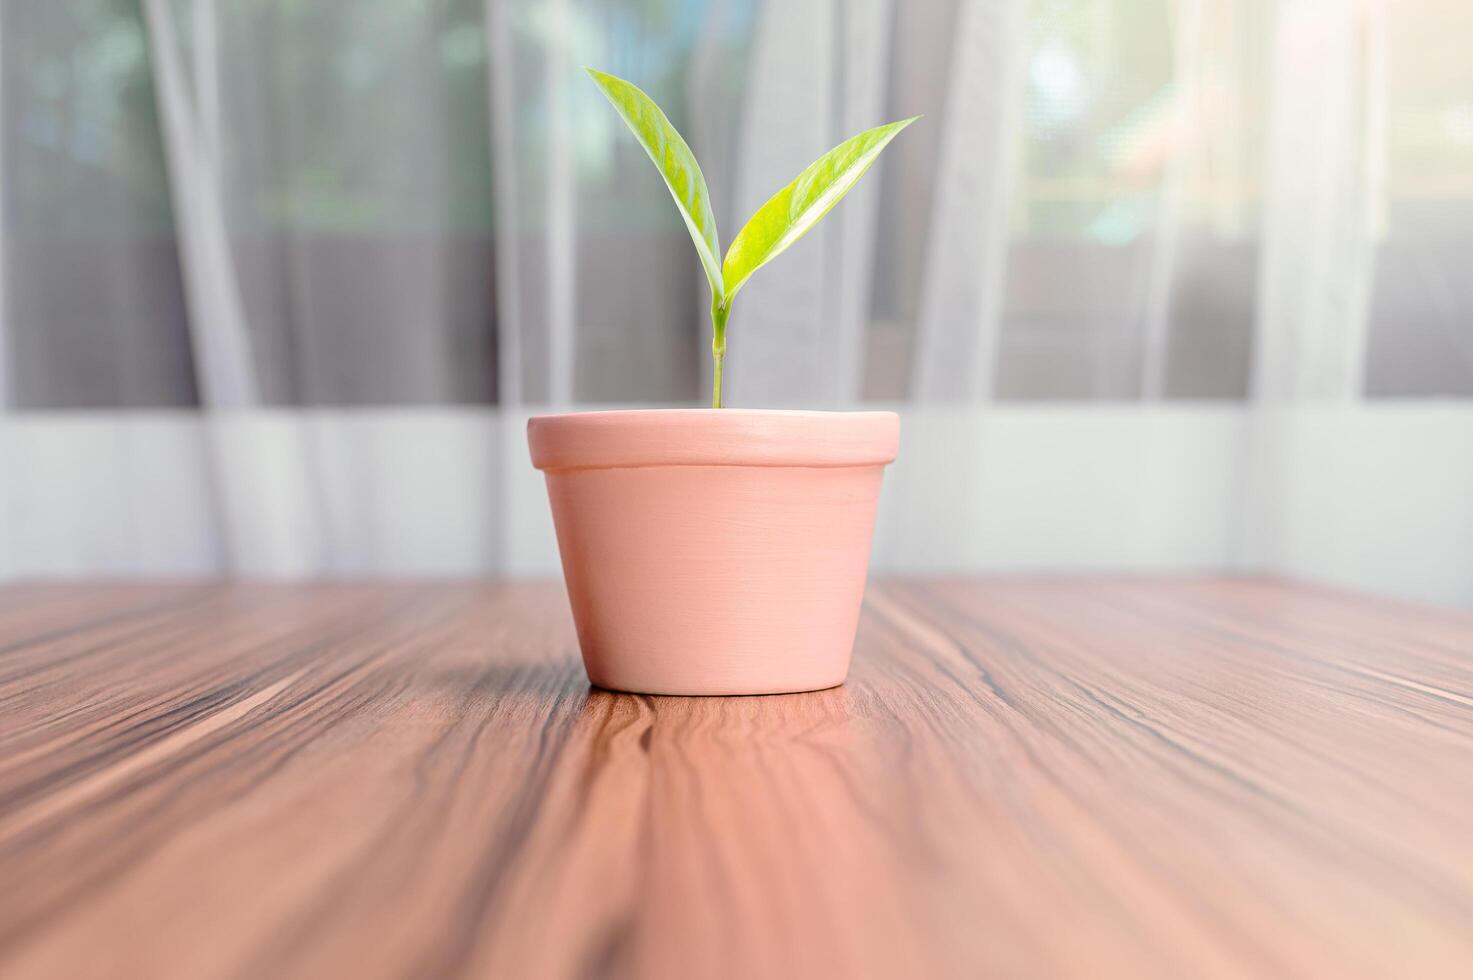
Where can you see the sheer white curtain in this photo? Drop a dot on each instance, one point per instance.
(1144, 279)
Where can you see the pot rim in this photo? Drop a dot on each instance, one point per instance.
(712, 437)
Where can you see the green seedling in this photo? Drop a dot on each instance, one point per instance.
(786, 217)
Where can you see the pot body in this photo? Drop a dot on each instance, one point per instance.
(715, 551)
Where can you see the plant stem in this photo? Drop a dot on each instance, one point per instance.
(718, 349)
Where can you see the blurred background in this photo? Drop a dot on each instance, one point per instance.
(1156, 284)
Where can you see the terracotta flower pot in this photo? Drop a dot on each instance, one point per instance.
(716, 551)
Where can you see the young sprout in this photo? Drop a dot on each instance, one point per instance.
(786, 217)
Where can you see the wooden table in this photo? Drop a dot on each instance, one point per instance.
(1023, 777)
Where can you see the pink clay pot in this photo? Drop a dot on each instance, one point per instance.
(715, 551)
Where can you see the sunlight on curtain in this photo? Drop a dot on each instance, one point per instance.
(1421, 307)
(347, 203)
(1322, 188)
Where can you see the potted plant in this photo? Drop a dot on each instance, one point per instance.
(719, 551)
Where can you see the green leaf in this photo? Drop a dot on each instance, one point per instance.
(673, 158)
(791, 212)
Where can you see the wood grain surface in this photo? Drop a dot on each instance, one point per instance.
(1023, 777)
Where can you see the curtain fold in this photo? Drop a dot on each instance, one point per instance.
(966, 254)
(781, 335)
(1188, 68)
(861, 82)
(1321, 184)
(505, 168)
(224, 360)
